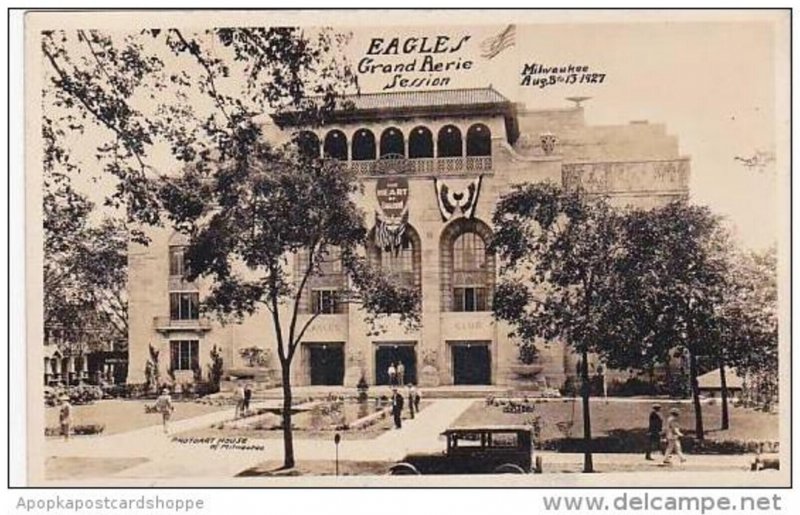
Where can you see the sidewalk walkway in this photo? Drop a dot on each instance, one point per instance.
(169, 459)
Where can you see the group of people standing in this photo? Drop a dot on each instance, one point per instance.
(397, 374)
(672, 432)
(398, 402)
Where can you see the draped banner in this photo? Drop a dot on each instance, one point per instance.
(391, 218)
(454, 202)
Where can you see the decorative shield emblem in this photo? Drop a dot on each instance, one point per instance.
(392, 193)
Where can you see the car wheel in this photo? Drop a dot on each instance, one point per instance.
(404, 469)
(509, 468)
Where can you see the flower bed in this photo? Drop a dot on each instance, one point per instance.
(83, 429)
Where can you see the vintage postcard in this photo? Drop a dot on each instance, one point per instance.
(468, 248)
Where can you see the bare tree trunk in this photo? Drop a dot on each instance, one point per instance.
(698, 410)
(588, 465)
(723, 383)
(288, 443)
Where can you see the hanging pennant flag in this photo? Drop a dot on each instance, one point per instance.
(454, 203)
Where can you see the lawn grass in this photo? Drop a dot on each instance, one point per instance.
(745, 424)
(119, 416)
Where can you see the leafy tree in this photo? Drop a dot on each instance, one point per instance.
(262, 208)
(130, 96)
(203, 96)
(675, 277)
(559, 252)
(747, 321)
(84, 267)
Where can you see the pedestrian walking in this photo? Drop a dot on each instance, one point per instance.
(674, 434)
(248, 394)
(401, 373)
(392, 371)
(417, 397)
(654, 429)
(65, 416)
(165, 407)
(397, 408)
(239, 398)
(410, 389)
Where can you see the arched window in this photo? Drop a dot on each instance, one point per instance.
(402, 265)
(479, 140)
(363, 145)
(449, 142)
(336, 145)
(468, 268)
(392, 142)
(420, 143)
(308, 143)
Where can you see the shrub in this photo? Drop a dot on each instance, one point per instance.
(215, 369)
(634, 386)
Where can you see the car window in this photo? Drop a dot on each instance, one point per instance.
(504, 440)
(467, 440)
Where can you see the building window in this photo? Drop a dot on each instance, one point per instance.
(325, 302)
(184, 305)
(363, 145)
(392, 142)
(399, 265)
(469, 298)
(479, 140)
(336, 145)
(184, 354)
(467, 266)
(420, 143)
(177, 264)
(449, 143)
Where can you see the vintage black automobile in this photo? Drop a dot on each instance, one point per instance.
(475, 450)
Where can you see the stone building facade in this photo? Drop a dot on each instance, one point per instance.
(439, 160)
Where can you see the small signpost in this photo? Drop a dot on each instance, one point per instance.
(336, 439)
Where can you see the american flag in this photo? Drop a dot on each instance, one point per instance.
(492, 46)
(389, 233)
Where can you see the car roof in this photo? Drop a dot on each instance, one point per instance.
(488, 428)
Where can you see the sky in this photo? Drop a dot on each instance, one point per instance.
(713, 85)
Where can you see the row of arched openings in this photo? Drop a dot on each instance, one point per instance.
(366, 147)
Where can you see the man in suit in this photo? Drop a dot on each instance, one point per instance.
(397, 408)
(654, 432)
